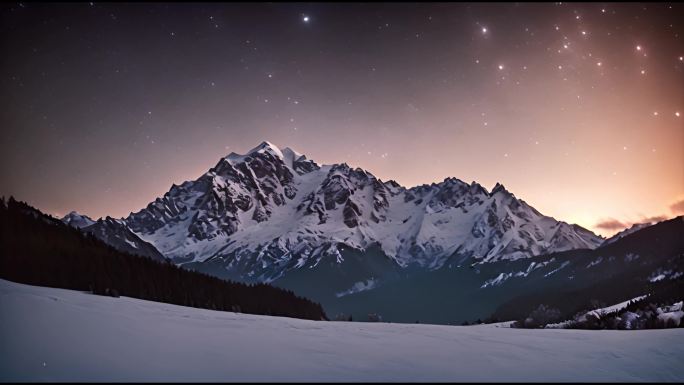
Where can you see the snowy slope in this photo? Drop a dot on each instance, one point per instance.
(271, 210)
(115, 233)
(61, 335)
(635, 227)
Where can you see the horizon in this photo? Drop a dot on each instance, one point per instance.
(60, 215)
(575, 108)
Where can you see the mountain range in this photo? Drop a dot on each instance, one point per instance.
(343, 237)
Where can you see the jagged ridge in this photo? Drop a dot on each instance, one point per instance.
(275, 209)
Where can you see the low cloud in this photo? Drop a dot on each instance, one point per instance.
(677, 208)
(610, 224)
(655, 219)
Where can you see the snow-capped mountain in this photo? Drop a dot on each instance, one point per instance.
(115, 233)
(77, 220)
(272, 210)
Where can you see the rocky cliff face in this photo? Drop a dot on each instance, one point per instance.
(115, 233)
(272, 210)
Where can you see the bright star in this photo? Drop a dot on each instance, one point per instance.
(305, 19)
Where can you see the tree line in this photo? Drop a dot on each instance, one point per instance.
(37, 249)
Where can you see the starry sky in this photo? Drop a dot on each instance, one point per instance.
(575, 108)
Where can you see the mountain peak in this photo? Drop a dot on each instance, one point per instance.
(263, 147)
(498, 187)
(290, 153)
(77, 220)
(290, 156)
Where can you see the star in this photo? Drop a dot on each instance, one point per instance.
(305, 19)
(643, 72)
(598, 64)
(677, 114)
(484, 30)
(501, 66)
(638, 48)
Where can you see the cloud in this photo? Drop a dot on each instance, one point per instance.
(654, 219)
(677, 207)
(614, 225)
(610, 224)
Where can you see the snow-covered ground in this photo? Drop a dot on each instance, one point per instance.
(60, 335)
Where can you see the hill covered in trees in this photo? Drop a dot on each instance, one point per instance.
(37, 249)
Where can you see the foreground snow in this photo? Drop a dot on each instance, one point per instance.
(61, 335)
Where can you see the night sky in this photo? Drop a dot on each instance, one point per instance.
(575, 108)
